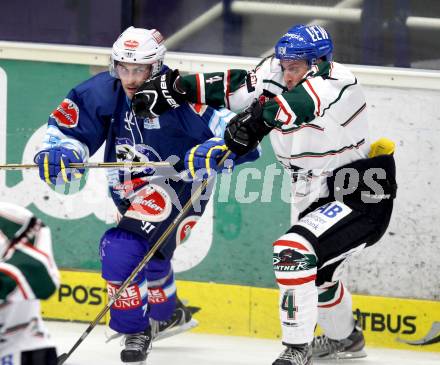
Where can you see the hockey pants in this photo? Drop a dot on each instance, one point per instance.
(151, 294)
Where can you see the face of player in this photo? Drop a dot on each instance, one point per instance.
(132, 76)
(293, 72)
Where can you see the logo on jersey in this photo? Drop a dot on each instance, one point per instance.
(127, 188)
(151, 123)
(66, 114)
(126, 152)
(152, 204)
(129, 299)
(185, 227)
(131, 44)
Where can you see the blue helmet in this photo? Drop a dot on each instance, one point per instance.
(303, 42)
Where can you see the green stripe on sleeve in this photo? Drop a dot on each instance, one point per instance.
(329, 294)
(7, 285)
(8, 227)
(189, 84)
(323, 69)
(214, 86)
(299, 101)
(35, 273)
(237, 79)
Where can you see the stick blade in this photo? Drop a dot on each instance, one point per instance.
(62, 358)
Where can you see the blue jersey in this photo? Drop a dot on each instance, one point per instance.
(98, 111)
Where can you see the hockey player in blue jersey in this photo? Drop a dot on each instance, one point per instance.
(98, 111)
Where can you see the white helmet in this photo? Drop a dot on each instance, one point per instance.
(138, 45)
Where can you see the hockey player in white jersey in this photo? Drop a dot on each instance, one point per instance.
(314, 111)
(27, 273)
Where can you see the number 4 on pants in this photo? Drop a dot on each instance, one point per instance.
(288, 304)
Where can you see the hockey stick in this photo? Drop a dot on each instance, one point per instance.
(90, 165)
(63, 357)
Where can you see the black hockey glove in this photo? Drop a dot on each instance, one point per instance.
(246, 130)
(158, 95)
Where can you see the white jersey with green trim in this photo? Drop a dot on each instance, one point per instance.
(322, 125)
(27, 273)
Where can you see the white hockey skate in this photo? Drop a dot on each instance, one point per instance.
(351, 347)
(180, 321)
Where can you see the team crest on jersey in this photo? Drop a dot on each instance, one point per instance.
(127, 188)
(185, 227)
(151, 204)
(126, 152)
(66, 114)
(131, 44)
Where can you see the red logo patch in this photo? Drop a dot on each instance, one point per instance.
(156, 296)
(131, 44)
(151, 203)
(184, 229)
(66, 114)
(130, 298)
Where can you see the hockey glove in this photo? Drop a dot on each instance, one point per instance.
(54, 164)
(246, 130)
(158, 95)
(202, 160)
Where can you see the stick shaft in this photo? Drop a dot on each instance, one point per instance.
(90, 165)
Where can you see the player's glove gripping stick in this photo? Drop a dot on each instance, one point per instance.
(202, 160)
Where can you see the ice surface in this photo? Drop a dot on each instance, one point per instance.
(195, 349)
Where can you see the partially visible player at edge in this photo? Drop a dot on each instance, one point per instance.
(97, 111)
(27, 273)
(314, 111)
